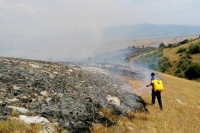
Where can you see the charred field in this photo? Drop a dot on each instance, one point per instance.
(66, 95)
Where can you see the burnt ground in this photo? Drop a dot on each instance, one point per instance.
(68, 95)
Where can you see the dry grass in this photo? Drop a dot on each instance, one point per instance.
(16, 126)
(181, 114)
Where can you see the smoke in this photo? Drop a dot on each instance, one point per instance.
(72, 29)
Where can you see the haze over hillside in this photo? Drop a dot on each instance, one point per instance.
(74, 45)
(149, 30)
(75, 30)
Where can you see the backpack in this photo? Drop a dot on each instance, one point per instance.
(158, 85)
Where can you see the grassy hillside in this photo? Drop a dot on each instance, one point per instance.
(181, 59)
(181, 114)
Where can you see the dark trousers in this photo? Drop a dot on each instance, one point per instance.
(158, 95)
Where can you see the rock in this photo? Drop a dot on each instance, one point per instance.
(21, 110)
(12, 100)
(15, 87)
(55, 73)
(44, 93)
(113, 100)
(34, 119)
(34, 65)
(70, 70)
(48, 99)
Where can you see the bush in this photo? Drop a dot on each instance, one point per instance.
(180, 73)
(184, 41)
(162, 45)
(184, 63)
(170, 45)
(189, 56)
(193, 72)
(181, 50)
(164, 66)
(194, 49)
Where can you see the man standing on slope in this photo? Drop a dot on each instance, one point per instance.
(155, 93)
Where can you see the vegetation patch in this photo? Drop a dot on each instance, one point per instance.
(154, 61)
(180, 50)
(16, 126)
(175, 59)
(193, 72)
(194, 49)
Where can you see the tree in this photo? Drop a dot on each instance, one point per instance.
(162, 45)
(170, 45)
(193, 72)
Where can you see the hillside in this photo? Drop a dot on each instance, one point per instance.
(177, 54)
(180, 59)
(181, 112)
(64, 96)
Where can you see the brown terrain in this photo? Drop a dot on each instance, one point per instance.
(181, 112)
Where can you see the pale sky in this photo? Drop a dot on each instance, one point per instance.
(30, 19)
(43, 16)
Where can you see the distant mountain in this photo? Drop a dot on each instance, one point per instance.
(148, 30)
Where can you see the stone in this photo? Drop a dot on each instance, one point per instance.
(33, 119)
(12, 100)
(34, 65)
(113, 100)
(44, 93)
(15, 87)
(21, 110)
(48, 99)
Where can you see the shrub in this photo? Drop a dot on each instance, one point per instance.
(193, 72)
(181, 50)
(194, 49)
(170, 45)
(180, 73)
(164, 66)
(184, 63)
(184, 41)
(162, 45)
(189, 56)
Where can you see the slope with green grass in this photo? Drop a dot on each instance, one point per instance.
(181, 59)
(184, 58)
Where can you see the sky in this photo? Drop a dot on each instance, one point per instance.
(23, 21)
(65, 15)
